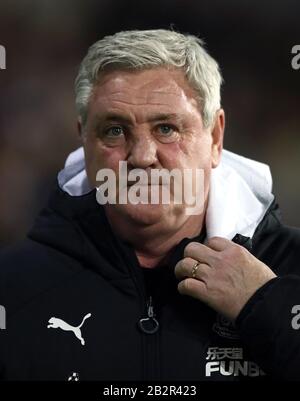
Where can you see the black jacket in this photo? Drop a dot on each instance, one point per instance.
(72, 266)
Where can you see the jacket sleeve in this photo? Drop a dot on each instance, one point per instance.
(269, 326)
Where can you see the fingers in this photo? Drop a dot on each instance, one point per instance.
(194, 288)
(199, 252)
(206, 253)
(184, 268)
(219, 243)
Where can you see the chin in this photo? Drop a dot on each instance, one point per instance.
(146, 214)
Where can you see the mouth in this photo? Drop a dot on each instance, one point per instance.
(142, 184)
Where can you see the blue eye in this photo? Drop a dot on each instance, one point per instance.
(166, 129)
(115, 131)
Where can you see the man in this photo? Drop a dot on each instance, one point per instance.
(147, 291)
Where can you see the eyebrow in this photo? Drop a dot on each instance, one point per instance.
(111, 116)
(165, 117)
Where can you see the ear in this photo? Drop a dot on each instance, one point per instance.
(80, 128)
(217, 134)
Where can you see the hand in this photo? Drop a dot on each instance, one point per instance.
(226, 277)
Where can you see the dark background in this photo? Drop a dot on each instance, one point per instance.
(45, 41)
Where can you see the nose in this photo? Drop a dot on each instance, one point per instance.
(143, 153)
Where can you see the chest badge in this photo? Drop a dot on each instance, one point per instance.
(57, 323)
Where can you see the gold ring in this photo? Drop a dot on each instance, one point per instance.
(194, 269)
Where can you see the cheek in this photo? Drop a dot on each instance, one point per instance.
(199, 151)
(110, 157)
(98, 156)
(170, 155)
(195, 152)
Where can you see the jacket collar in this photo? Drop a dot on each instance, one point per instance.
(240, 192)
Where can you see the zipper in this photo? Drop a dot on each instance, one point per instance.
(149, 324)
(149, 327)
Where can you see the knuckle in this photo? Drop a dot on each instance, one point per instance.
(190, 247)
(184, 265)
(182, 268)
(239, 251)
(212, 241)
(218, 259)
(216, 240)
(235, 253)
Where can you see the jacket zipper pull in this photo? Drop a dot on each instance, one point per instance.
(149, 325)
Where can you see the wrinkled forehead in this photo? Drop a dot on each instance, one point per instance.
(160, 86)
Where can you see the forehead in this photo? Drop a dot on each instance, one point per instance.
(159, 87)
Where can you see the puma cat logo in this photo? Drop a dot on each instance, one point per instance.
(56, 323)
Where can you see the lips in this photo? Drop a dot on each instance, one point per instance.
(141, 184)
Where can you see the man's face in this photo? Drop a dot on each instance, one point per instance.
(151, 120)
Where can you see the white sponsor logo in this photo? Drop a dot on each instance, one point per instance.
(222, 353)
(229, 362)
(159, 186)
(56, 323)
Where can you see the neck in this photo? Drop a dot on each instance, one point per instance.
(154, 243)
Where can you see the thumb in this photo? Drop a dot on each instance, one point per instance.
(218, 243)
(194, 288)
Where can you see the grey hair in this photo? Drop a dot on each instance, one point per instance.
(138, 50)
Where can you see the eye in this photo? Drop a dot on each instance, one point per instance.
(114, 132)
(166, 129)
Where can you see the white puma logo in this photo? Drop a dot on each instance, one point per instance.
(59, 323)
